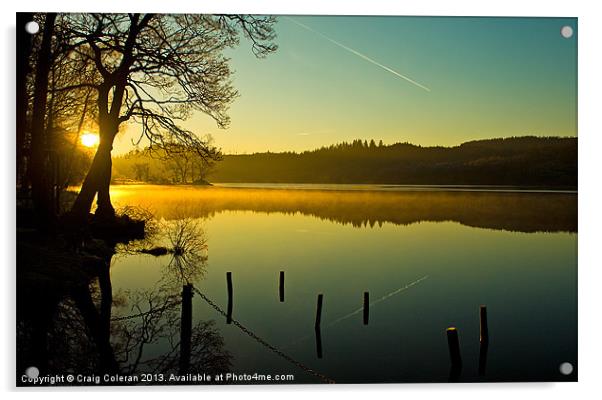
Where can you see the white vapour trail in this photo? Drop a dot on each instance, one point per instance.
(373, 303)
(357, 53)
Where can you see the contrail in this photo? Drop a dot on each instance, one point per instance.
(357, 53)
(351, 314)
(373, 303)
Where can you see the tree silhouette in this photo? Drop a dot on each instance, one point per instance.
(39, 181)
(155, 70)
(52, 109)
(24, 48)
(549, 162)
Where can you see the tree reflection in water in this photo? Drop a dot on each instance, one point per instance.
(78, 333)
(510, 210)
(189, 250)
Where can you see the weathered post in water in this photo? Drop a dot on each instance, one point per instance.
(281, 286)
(229, 284)
(318, 342)
(484, 330)
(453, 343)
(366, 307)
(319, 311)
(317, 326)
(185, 328)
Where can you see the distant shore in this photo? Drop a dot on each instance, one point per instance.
(362, 187)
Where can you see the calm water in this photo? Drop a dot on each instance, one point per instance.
(428, 258)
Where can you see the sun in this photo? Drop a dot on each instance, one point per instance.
(89, 139)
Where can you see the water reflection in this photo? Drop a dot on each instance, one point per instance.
(81, 326)
(188, 250)
(133, 320)
(318, 332)
(512, 211)
(483, 358)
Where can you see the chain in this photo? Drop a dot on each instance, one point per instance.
(261, 341)
(322, 377)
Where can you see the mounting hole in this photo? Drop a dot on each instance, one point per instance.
(566, 368)
(32, 372)
(32, 27)
(566, 32)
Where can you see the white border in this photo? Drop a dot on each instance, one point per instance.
(590, 146)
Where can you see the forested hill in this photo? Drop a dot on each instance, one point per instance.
(528, 161)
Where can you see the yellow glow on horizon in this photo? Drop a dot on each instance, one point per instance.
(89, 139)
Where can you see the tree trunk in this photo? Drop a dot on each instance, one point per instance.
(97, 181)
(37, 170)
(105, 209)
(23, 70)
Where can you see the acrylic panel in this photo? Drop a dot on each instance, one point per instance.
(249, 199)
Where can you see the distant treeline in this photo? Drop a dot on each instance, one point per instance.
(524, 161)
(173, 164)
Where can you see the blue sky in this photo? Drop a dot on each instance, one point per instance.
(488, 77)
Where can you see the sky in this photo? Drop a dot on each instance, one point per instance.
(424, 80)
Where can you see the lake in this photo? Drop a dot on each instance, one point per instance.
(429, 257)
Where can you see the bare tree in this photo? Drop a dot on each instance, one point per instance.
(23, 72)
(155, 70)
(39, 181)
(185, 162)
(141, 171)
(51, 109)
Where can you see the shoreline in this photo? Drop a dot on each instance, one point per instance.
(352, 187)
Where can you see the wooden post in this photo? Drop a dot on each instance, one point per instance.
(319, 311)
(366, 307)
(281, 286)
(185, 328)
(229, 284)
(484, 330)
(454, 347)
(318, 342)
(317, 326)
(483, 339)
